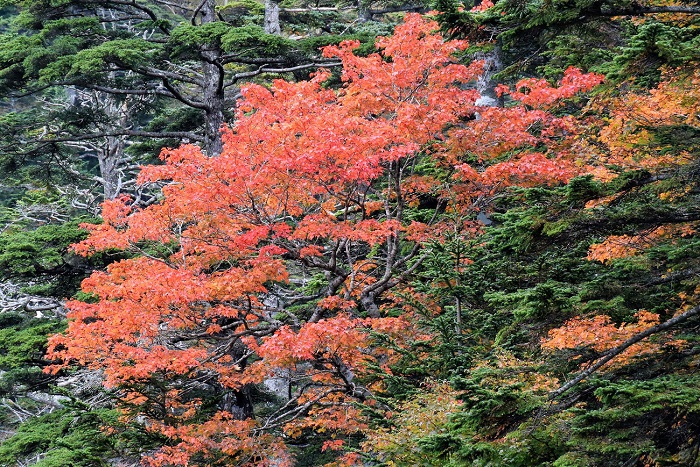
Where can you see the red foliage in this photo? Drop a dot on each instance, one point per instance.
(272, 250)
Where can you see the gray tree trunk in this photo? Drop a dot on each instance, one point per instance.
(486, 84)
(213, 89)
(363, 11)
(367, 300)
(109, 159)
(272, 17)
(214, 100)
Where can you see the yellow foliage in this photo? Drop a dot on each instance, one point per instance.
(426, 414)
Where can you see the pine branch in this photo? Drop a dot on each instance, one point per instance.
(638, 10)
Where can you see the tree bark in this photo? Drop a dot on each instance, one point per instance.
(485, 83)
(272, 17)
(364, 14)
(369, 305)
(213, 91)
(213, 87)
(108, 159)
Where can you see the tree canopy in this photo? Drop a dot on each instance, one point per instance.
(311, 182)
(394, 261)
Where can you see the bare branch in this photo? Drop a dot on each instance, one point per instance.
(164, 74)
(310, 9)
(612, 353)
(135, 92)
(196, 11)
(178, 95)
(125, 132)
(396, 10)
(150, 13)
(263, 69)
(236, 58)
(174, 5)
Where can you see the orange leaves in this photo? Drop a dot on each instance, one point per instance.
(504, 139)
(602, 335)
(307, 175)
(423, 96)
(615, 247)
(531, 170)
(370, 231)
(538, 93)
(220, 439)
(623, 246)
(335, 415)
(333, 445)
(337, 337)
(335, 302)
(271, 250)
(421, 71)
(483, 6)
(115, 211)
(627, 135)
(121, 335)
(106, 235)
(311, 250)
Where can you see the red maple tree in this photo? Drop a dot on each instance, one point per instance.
(275, 257)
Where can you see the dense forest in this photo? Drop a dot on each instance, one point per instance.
(380, 233)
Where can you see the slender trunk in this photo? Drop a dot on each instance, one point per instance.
(458, 315)
(364, 13)
(208, 11)
(238, 402)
